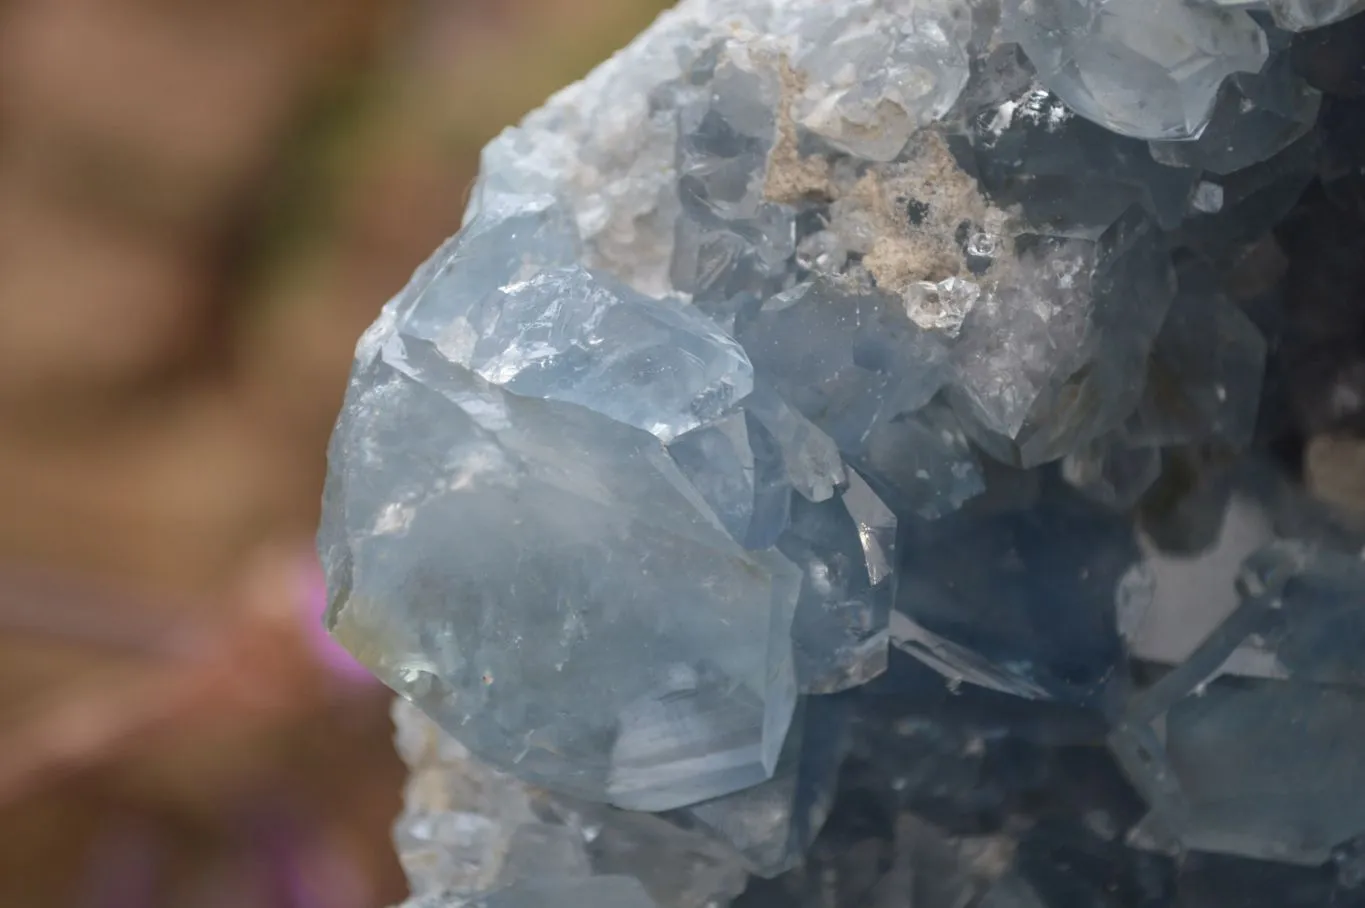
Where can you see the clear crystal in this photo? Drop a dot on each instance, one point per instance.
(1028, 147)
(1050, 356)
(1150, 69)
(846, 549)
(943, 306)
(993, 598)
(530, 833)
(1256, 116)
(875, 72)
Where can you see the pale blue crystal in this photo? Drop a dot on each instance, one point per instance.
(1297, 15)
(1254, 200)
(770, 826)
(922, 462)
(730, 241)
(843, 358)
(1150, 69)
(1256, 116)
(681, 868)
(1051, 359)
(539, 850)
(845, 547)
(1313, 626)
(1266, 769)
(557, 336)
(862, 397)
(737, 466)
(1204, 375)
(1113, 471)
(512, 543)
(879, 72)
(810, 457)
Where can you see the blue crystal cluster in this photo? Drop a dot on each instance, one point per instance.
(885, 453)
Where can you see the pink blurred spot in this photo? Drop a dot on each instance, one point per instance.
(330, 653)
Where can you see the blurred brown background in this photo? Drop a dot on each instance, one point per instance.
(202, 204)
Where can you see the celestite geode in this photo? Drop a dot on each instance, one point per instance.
(871, 411)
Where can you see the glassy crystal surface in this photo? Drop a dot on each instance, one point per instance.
(525, 833)
(1296, 15)
(1288, 795)
(885, 454)
(876, 72)
(846, 549)
(768, 828)
(457, 596)
(1256, 115)
(989, 587)
(1150, 69)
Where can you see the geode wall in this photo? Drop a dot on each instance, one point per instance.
(887, 453)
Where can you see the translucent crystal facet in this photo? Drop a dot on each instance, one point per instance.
(1287, 796)
(1297, 15)
(459, 597)
(846, 548)
(1150, 69)
(874, 72)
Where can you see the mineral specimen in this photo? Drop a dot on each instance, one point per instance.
(851, 457)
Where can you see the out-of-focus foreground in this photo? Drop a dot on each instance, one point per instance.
(201, 207)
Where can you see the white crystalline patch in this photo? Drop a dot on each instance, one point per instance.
(515, 359)
(942, 306)
(876, 72)
(476, 464)
(1208, 198)
(1042, 107)
(959, 664)
(456, 342)
(394, 519)
(1133, 598)
(367, 348)
(1192, 596)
